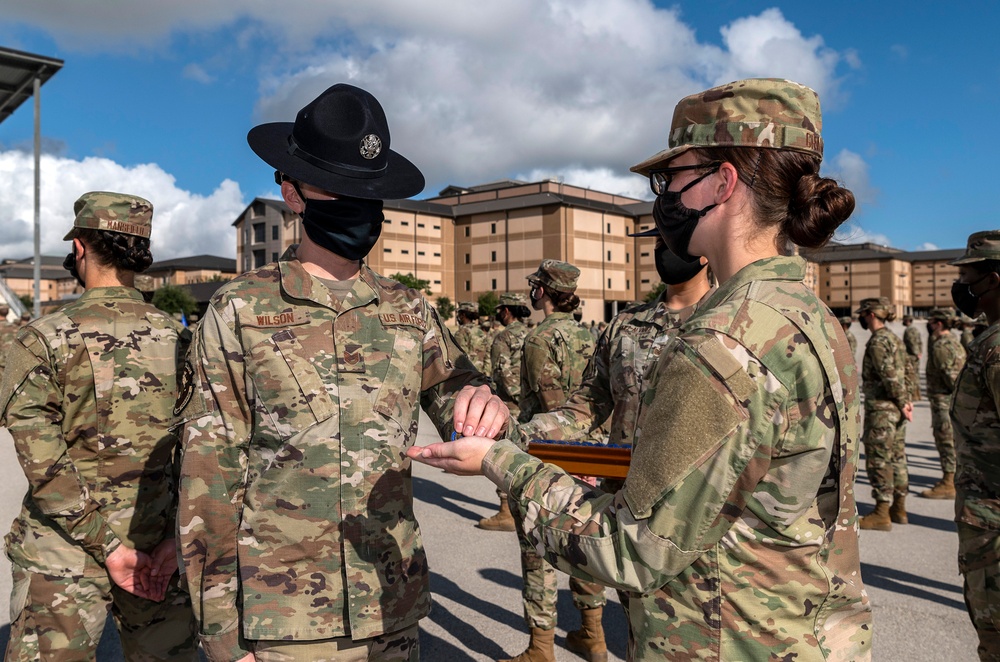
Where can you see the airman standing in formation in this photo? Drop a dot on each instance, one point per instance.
(505, 359)
(852, 340)
(945, 358)
(887, 409)
(298, 535)
(470, 337)
(975, 417)
(612, 389)
(88, 397)
(743, 511)
(553, 362)
(914, 348)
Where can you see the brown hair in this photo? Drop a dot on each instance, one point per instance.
(564, 302)
(124, 252)
(788, 192)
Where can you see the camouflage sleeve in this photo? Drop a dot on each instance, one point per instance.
(949, 361)
(689, 480)
(893, 376)
(506, 378)
(911, 338)
(445, 371)
(218, 424)
(542, 373)
(587, 407)
(33, 413)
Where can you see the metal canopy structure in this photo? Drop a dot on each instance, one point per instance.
(21, 77)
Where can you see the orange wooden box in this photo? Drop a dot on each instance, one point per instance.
(584, 459)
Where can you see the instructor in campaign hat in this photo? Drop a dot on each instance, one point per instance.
(304, 384)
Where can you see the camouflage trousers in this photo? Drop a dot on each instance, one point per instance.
(979, 562)
(912, 377)
(944, 439)
(62, 619)
(885, 452)
(541, 590)
(401, 646)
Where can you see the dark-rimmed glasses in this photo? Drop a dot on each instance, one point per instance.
(660, 178)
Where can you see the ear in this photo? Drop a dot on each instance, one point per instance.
(79, 248)
(291, 197)
(728, 178)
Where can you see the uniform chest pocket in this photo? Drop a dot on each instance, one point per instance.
(399, 393)
(285, 372)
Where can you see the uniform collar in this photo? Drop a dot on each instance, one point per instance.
(298, 283)
(780, 267)
(112, 292)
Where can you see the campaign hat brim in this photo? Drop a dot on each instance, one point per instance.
(402, 179)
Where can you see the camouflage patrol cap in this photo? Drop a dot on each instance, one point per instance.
(846, 319)
(875, 305)
(514, 299)
(114, 212)
(942, 314)
(144, 283)
(556, 275)
(757, 112)
(981, 246)
(468, 307)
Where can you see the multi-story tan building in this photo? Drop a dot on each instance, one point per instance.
(56, 284)
(466, 242)
(191, 270)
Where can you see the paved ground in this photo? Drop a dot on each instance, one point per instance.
(910, 572)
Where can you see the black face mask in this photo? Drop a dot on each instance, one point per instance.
(965, 300)
(676, 222)
(672, 269)
(69, 264)
(863, 321)
(348, 227)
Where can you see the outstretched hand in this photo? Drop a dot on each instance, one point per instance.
(479, 412)
(463, 457)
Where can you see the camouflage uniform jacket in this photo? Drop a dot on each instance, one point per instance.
(505, 359)
(613, 381)
(852, 340)
(883, 372)
(945, 358)
(88, 397)
(296, 505)
(8, 332)
(911, 338)
(975, 417)
(740, 496)
(553, 361)
(472, 340)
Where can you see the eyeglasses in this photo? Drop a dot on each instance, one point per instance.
(660, 178)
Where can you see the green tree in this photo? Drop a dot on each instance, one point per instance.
(27, 301)
(488, 303)
(445, 308)
(655, 292)
(412, 281)
(173, 299)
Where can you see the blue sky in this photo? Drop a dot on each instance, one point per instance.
(156, 98)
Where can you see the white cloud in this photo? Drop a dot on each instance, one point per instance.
(852, 233)
(197, 73)
(183, 223)
(851, 170)
(927, 246)
(598, 179)
(475, 91)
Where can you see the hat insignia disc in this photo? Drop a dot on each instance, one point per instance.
(371, 146)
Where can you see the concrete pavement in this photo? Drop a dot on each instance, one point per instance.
(911, 572)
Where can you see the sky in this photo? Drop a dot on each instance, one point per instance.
(156, 98)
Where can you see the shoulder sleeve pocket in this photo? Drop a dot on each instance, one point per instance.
(21, 362)
(686, 415)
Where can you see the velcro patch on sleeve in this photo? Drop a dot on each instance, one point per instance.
(732, 372)
(689, 415)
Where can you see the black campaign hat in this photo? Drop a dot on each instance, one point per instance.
(339, 143)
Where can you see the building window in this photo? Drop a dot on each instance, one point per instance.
(846, 282)
(274, 232)
(420, 253)
(405, 251)
(258, 258)
(420, 225)
(258, 233)
(494, 285)
(466, 230)
(388, 221)
(468, 286)
(628, 284)
(609, 283)
(628, 258)
(437, 282)
(609, 256)
(274, 256)
(645, 281)
(493, 228)
(609, 228)
(437, 227)
(493, 256)
(643, 254)
(404, 223)
(386, 250)
(466, 258)
(437, 255)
